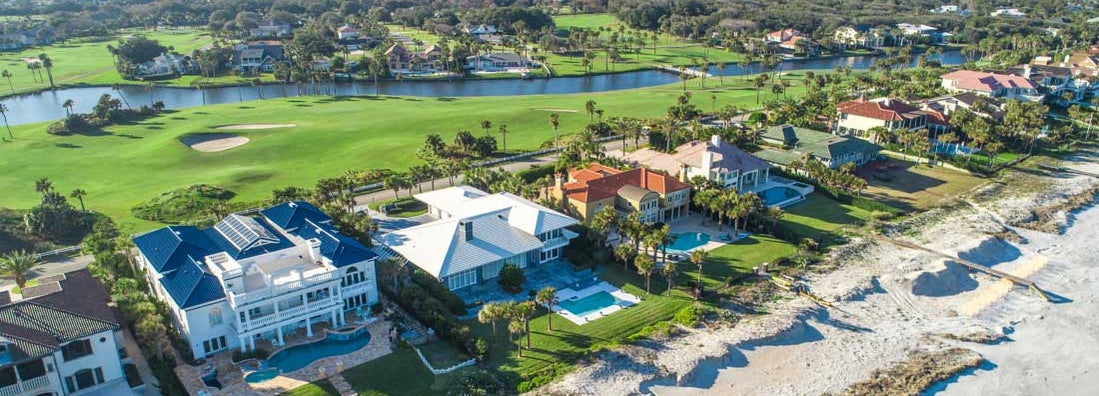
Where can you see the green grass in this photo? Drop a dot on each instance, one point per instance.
(820, 217)
(919, 187)
(405, 207)
(399, 374)
(128, 164)
(30, 283)
(319, 388)
(735, 260)
(585, 21)
(87, 62)
(443, 354)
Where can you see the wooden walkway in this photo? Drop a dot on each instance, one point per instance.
(1029, 284)
(683, 70)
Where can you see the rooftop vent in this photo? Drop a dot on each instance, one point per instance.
(468, 229)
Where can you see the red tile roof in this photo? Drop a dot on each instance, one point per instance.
(598, 182)
(882, 109)
(987, 82)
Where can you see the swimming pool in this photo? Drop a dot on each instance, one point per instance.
(256, 377)
(584, 306)
(685, 241)
(777, 195)
(297, 357)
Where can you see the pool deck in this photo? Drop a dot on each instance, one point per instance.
(568, 294)
(232, 377)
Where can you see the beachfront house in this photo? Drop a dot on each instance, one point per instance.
(257, 278)
(475, 233)
(858, 117)
(713, 159)
(658, 197)
(996, 85)
(61, 337)
(795, 144)
(1059, 78)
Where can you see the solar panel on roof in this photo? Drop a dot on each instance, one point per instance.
(243, 232)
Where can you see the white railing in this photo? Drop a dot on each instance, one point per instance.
(10, 390)
(35, 383)
(309, 308)
(436, 371)
(237, 300)
(55, 252)
(555, 243)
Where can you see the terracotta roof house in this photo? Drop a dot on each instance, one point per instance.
(857, 117)
(783, 35)
(658, 197)
(1004, 86)
(714, 159)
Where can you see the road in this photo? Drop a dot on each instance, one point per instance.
(361, 201)
(53, 266)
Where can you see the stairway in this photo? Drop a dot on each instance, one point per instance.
(342, 386)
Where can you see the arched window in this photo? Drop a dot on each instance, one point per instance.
(353, 276)
(215, 316)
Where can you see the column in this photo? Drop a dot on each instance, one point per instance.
(279, 331)
(252, 343)
(308, 327)
(243, 345)
(343, 318)
(334, 322)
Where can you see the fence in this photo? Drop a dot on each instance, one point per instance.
(56, 252)
(494, 161)
(436, 371)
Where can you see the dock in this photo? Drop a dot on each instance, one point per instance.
(1029, 284)
(685, 70)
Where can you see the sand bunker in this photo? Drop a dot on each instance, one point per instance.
(213, 142)
(254, 126)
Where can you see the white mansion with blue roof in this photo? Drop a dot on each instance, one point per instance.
(250, 278)
(476, 233)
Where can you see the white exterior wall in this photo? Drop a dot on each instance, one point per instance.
(201, 329)
(859, 123)
(104, 355)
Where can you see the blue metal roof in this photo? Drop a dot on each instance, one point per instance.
(167, 247)
(341, 249)
(191, 285)
(290, 215)
(223, 245)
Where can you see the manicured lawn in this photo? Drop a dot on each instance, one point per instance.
(402, 207)
(87, 62)
(569, 341)
(735, 260)
(128, 164)
(819, 217)
(920, 187)
(443, 354)
(585, 21)
(319, 388)
(399, 374)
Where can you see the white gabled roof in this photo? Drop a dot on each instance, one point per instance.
(468, 202)
(450, 199)
(442, 249)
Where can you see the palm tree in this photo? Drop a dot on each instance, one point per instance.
(589, 107)
(490, 313)
(17, 264)
(698, 257)
(547, 297)
(7, 74)
(4, 114)
(516, 327)
(47, 64)
(624, 252)
(644, 268)
(670, 272)
(43, 186)
(68, 105)
(554, 122)
(486, 125)
(504, 137)
(79, 195)
(523, 312)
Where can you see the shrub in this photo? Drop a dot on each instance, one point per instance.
(512, 278)
(689, 315)
(377, 308)
(478, 383)
(186, 204)
(436, 289)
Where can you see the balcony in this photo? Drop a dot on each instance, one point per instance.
(290, 314)
(239, 300)
(25, 386)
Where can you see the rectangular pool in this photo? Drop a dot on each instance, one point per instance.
(585, 306)
(686, 241)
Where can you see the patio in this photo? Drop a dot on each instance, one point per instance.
(558, 274)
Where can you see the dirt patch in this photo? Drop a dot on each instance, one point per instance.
(917, 373)
(239, 127)
(213, 142)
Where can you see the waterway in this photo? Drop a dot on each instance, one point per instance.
(46, 105)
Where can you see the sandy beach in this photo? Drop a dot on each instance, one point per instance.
(892, 300)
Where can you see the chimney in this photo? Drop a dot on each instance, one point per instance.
(559, 181)
(683, 173)
(1026, 70)
(707, 163)
(715, 140)
(315, 250)
(467, 228)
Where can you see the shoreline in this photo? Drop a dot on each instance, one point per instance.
(890, 301)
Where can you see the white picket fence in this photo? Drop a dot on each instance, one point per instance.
(56, 252)
(436, 371)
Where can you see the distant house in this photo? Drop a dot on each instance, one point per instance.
(929, 34)
(63, 337)
(270, 29)
(20, 40)
(166, 65)
(783, 35)
(257, 57)
(714, 159)
(485, 34)
(657, 197)
(401, 60)
(346, 32)
(949, 104)
(859, 36)
(831, 150)
(858, 117)
(496, 61)
(951, 9)
(1002, 86)
(475, 234)
(1076, 73)
(1008, 13)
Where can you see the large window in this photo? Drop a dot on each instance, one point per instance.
(215, 316)
(84, 379)
(214, 345)
(353, 277)
(76, 349)
(462, 279)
